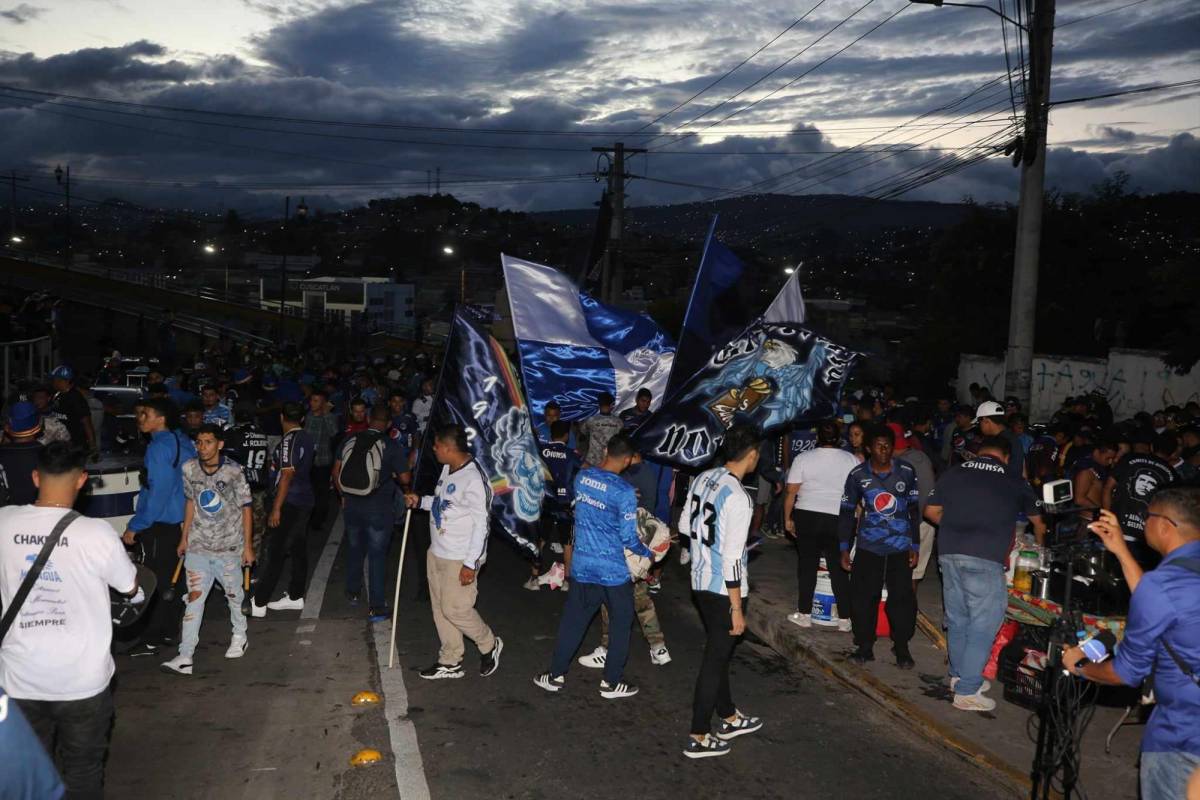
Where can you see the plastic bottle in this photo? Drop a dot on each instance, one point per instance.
(1027, 562)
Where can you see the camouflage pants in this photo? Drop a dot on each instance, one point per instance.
(647, 617)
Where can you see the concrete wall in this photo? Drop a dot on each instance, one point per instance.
(1133, 381)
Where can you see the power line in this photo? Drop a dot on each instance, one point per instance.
(1099, 14)
(811, 69)
(1157, 88)
(741, 64)
(769, 73)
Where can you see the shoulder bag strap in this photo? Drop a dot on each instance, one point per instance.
(10, 614)
(1191, 565)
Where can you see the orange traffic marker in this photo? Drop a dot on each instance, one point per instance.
(365, 758)
(365, 699)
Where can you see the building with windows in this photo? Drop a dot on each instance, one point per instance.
(365, 303)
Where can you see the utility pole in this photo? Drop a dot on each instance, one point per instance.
(1022, 319)
(612, 281)
(63, 178)
(287, 210)
(13, 238)
(438, 181)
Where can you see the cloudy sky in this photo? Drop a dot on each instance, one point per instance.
(869, 97)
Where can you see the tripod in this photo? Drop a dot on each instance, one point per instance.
(1058, 713)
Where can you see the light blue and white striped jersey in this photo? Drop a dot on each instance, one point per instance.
(717, 518)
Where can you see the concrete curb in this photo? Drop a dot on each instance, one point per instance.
(769, 623)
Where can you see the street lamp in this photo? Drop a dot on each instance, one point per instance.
(448, 250)
(15, 239)
(789, 270)
(1000, 14)
(211, 249)
(63, 178)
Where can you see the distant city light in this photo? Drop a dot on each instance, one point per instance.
(16, 240)
(208, 248)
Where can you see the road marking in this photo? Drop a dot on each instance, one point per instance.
(410, 770)
(320, 579)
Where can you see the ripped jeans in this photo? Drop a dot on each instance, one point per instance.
(202, 569)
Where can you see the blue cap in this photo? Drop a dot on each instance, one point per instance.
(241, 375)
(269, 381)
(63, 372)
(23, 418)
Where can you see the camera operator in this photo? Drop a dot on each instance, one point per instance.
(55, 662)
(1162, 638)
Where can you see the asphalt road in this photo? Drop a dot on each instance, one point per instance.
(278, 723)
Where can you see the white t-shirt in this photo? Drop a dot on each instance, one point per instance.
(460, 510)
(58, 646)
(821, 474)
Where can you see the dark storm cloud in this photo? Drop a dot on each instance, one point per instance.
(22, 13)
(568, 69)
(94, 66)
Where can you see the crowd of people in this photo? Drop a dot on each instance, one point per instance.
(247, 454)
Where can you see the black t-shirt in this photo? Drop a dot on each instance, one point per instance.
(73, 408)
(980, 501)
(1137, 478)
(17, 462)
(247, 445)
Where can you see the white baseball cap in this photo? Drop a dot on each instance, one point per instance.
(989, 409)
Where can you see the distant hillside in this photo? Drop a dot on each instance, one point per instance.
(749, 219)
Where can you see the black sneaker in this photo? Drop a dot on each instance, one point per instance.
(740, 725)
(439, 672)
(861, 656)
(904, 659)
(617, 690)
(707, 747)
(549, 683)
(143, 649)
(491, 661)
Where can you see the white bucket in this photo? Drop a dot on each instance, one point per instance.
(115, 483)
(824, 607)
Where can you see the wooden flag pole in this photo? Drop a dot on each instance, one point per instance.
(396, 599)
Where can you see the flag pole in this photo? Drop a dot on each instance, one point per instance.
(396, 599)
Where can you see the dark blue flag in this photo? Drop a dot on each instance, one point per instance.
(479, 390)
(716, 311)
(772, 375)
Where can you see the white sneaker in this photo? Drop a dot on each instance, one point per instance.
(844, 625)
(237, 647)
(659, 656)
(982, 689)
(556, 548)
(973, 702)
(286, 603)
(256, 610)
(180, 665)
(555, 576)
(685, 558)
(596, 659)
(533, 584)
(803, 620)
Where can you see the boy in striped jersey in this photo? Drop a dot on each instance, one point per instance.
(717, 517)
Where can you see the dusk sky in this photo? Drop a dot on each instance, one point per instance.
(610, 68)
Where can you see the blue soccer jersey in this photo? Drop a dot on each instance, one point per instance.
(605, 525)
(891, 512)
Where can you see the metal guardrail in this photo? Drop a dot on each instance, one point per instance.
(33, 357)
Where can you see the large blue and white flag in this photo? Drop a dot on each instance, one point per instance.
(573, 347)
(479, 390)
(772, 375)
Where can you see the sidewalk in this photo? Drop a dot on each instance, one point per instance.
(999, 742)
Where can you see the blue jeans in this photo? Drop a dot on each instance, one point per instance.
(583, 601)
(202, 570)
(974, 599)
(367, 535)
(1165, 775)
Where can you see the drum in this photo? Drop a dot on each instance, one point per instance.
(113, 486)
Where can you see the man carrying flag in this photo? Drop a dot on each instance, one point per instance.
(460, 507)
